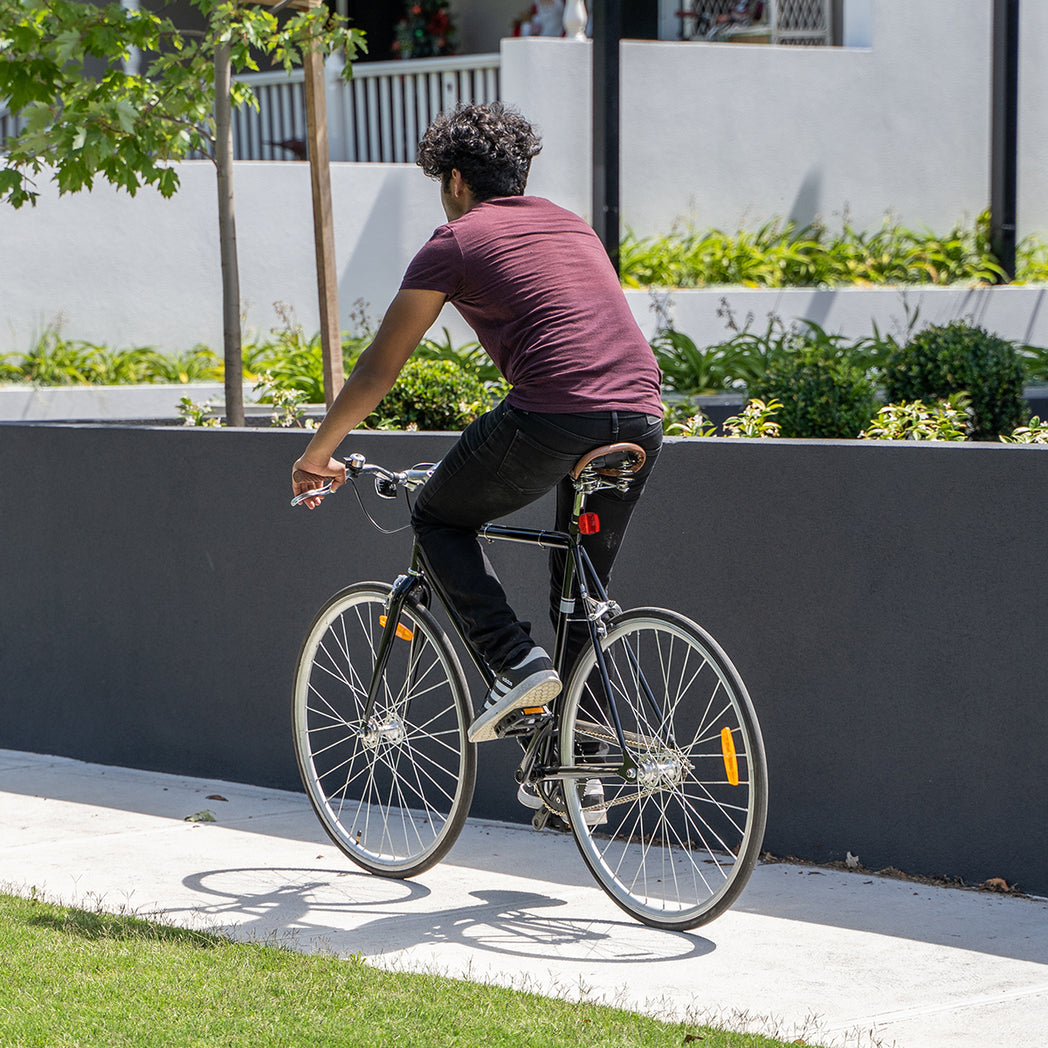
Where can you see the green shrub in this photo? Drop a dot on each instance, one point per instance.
(432, 395)
(821, 395)
(960, 358)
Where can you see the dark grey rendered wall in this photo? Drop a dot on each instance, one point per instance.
(884, 602)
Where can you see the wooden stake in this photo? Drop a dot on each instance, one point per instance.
(323, 226)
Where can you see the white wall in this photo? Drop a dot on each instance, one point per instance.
(735, 134)
(716, 134)
(145, 271)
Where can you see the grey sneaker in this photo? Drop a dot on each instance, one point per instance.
(593, 809)
(531, 683)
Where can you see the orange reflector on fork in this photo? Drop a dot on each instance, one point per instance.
(731, 761)
(402, 631)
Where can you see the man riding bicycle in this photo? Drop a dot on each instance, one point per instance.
(536, 285)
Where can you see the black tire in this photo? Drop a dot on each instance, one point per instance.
(392, 794)
(682, 837)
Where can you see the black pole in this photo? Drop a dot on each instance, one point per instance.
(1004, 144)
(607, 31)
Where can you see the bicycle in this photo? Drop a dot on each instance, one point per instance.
(651, 754)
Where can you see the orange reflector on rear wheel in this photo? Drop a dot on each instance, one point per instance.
(731, 761)
(402, 631)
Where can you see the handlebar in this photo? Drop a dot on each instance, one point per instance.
(387, 481)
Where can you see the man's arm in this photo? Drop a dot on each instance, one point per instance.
(408, 318)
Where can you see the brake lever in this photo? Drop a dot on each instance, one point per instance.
(314, 493)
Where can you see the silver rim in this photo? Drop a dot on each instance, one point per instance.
(392, 793)
(680, 838)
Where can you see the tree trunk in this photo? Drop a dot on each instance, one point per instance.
(227, 239)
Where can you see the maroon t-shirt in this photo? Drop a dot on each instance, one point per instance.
(536, 285)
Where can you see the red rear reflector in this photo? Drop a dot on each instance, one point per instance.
(589, 523)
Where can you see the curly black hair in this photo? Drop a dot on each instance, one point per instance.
(492, 146)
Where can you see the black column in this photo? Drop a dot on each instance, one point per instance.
(607, 31)
(1004, 133)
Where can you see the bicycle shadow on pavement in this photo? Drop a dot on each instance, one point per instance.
(359, 913)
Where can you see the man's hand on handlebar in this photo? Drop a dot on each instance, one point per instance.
(308, 475)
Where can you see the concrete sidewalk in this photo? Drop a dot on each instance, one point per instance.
(838, 959)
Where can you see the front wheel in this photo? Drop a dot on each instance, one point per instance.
(393, 789)
(680, 825)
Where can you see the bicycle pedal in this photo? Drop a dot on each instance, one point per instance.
(524, 721)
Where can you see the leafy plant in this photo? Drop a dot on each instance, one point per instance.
(820, 395)
(755, 420)
(688, 369)
(1031, 261)
(960, 358)
(1034, 360)
(289, 403)
(742, 360)
(197, 414)
(1035, 433)
(685, 419)
(943, 420)
(432, 395)
(294, 360)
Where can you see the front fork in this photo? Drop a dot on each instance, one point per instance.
(402, 587)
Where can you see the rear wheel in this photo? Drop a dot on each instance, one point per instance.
(685, 813)
(392, 791)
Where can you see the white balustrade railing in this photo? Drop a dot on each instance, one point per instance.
(378, 116)
(277, 129)
(387, 106)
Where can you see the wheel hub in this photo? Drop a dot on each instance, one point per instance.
(389, 730)
(662, 771)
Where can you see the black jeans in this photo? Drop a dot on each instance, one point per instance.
(504, 461)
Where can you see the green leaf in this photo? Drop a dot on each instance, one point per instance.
(68, 46)
(126, 115)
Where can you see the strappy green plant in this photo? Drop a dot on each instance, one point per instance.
(784, 254)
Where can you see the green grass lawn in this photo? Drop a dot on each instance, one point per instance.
(70, 977)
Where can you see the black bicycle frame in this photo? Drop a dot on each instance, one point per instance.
(578, 574)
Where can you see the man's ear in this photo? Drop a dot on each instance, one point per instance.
(456, 183)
